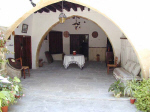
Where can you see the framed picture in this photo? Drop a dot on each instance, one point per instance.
(24, 28)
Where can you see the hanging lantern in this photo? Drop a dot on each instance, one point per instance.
(62, 16)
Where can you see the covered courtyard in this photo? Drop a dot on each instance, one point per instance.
(52, 88)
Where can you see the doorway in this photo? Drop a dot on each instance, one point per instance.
(80, 44)
(22, 47)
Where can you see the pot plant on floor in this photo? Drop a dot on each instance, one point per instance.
(6, 98)
(16, 86)
(2, 99)
(130, 87)
(117, 88)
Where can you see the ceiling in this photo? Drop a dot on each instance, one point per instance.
(58, 7)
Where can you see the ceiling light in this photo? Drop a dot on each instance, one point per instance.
(62, 16)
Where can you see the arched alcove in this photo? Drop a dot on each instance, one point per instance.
(49, 29)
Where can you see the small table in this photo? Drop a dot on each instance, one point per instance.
(77, 59)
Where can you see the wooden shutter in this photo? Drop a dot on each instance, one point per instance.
(55, 43)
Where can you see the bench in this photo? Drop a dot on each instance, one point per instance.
(130, 71)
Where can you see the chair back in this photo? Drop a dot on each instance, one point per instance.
(116, 60)
(20, 59)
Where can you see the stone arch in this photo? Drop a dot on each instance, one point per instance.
(50, 28)
(141, 50)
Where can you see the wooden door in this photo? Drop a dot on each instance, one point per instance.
(74, 44)
(26, 57)
(18, 42)
(55, 42)
(79, 43)
(22, 46)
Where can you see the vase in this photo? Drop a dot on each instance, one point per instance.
(4, 109)
(74, 52)
(132, 101)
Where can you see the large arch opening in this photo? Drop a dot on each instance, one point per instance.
(141, 54)
(61, 27)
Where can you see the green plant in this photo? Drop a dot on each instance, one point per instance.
(117, 87)
(17, 86)
(10, 98)
(2, 40)
(130, 87)
(2, 97)
(142, 95)
(6, 98)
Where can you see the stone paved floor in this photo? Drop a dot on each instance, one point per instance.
(52, 88)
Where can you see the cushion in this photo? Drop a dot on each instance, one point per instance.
(127, 65)
(131, 66)
(124, 75)
(13, 63)
(136, 69)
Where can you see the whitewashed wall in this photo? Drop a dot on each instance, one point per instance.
(127, 52)
(18, 31)
(40, 23)
(87, 27)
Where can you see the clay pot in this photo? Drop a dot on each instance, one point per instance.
(4, 109)
(17, 96)
(132, 101)
(74, 52)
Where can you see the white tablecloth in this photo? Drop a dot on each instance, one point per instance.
(77, 59)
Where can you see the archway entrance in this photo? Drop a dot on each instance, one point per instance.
(143, 52)
(97, 45)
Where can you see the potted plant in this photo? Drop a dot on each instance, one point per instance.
(17, 87)
(7, 99)
(142, 95)
(117, 88)
(2, 98)
(19, 92)
(130, 87)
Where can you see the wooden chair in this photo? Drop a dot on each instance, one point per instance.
(24, 68)
(112, 65)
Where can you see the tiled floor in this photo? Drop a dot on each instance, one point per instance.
(52, 88)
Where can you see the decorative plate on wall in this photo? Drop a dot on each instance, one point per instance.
(66, 34)
(95, 34)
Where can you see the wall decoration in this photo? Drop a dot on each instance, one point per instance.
(24, 28)
(66, 34)
(13, 33)
(76, 24)
(95, 34)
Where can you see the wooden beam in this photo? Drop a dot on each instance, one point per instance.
(81, 7)
(64, 6)
(45, 9)
(40, 11)
(51, 8)
(57, 7)
(73, 6)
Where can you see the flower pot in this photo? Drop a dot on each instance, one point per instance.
(17, 96)
(132, 101)
(4, 109)
(74, 52)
